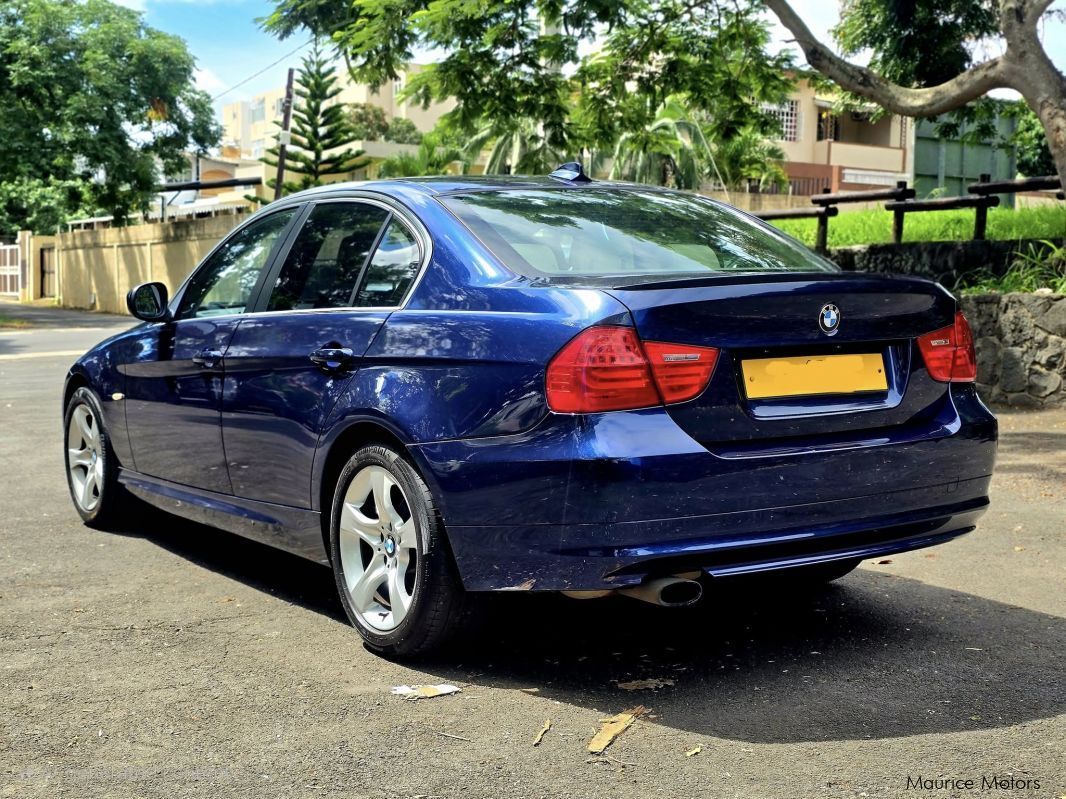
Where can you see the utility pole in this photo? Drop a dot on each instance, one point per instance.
(284, 136)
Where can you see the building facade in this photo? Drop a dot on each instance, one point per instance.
(251, 126)
(840, 151)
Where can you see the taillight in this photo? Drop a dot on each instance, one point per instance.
(949, 352)
(681, 371)
(607, 368)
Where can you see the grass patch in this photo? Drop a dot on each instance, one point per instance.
(10, 323)
(875, 226)
(1035, 268)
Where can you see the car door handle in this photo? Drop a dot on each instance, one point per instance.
(208, 359)
(333, 359)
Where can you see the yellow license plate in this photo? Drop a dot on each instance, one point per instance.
(813, 374)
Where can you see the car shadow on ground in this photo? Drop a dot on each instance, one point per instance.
(872, 656)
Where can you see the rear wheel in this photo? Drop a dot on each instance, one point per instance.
(92, 471)
(394, 573)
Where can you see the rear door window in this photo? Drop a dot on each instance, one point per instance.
(393, 268)
(323, 267)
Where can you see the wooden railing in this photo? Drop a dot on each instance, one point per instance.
(900, 201)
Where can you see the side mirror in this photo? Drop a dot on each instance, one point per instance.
(148, 301)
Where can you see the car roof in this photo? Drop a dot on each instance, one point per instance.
(454, 184)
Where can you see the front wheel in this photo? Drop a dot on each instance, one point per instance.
(394, 573)
(92, 471)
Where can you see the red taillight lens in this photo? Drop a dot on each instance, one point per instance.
(949, 352)
(681, 371)
(602, 369)
(606, 368)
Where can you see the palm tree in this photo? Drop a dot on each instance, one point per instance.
(747, 158)
(515, 147)
(431, 159)
(671, 150)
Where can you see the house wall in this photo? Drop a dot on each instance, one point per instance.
(96, 268)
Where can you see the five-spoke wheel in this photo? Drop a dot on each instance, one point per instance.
(91, 468)
(394, 573)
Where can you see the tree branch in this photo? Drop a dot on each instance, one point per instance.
(927, 102)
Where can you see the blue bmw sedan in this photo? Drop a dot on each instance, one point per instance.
(447, 386)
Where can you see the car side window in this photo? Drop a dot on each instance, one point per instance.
(324, 264)
(224, 284)
(392, 270)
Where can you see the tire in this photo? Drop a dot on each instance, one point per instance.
(821, 573)
(394, 572)
(91, 466)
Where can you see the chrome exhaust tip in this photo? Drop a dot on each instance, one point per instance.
(666, 592)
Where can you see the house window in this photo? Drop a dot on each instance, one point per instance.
(787, 115)
(903, 132)
(828, 126)
(279, 107)
(397, 87)
(257, 111)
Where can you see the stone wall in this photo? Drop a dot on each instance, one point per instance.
(942, 261)
(1021, 347)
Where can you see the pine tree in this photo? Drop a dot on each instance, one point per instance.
(320, 130)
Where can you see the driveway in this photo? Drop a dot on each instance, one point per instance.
(174, 660)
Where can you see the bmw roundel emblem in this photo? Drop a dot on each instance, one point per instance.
(829, 319)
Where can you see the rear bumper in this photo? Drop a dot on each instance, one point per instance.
(607, 501)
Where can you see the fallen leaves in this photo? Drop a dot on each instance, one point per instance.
(543, 731)
(613, 727)
(643, 685)
(694, 751)
(412, 693)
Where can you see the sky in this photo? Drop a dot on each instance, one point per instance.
(230, 48)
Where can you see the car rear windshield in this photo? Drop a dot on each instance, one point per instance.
(624, 236)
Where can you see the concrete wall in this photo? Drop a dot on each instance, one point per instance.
(1021, 347)
(96, 268)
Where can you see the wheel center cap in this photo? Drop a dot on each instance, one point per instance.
(92, 459)
(390, 546)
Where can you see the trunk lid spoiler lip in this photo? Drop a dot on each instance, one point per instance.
(733, 278)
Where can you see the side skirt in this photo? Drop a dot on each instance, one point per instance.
(295, 530)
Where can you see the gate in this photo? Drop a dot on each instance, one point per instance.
(48, 272)
(10, 271)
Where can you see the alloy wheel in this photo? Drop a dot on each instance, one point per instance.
(378, 548)
(84, 458)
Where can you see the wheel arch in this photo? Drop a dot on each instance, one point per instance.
(335, 450)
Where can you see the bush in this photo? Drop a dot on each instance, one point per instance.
(875, 226)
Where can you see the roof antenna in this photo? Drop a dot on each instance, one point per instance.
(572, 172)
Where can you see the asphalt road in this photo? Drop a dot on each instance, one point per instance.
(173, 660)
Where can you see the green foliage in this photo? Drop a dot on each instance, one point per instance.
(917, 42)
(1030, 140)
(1039, 266)
(321, 131)
(92, 100)
(368, 122)
(875, 226)
(669, 151)
(519, 78)
(515, 146)
(402, 131)
(432, 158)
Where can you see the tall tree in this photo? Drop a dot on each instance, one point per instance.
(321, 129)
(512, 62)
(92, 103)
(907, 37)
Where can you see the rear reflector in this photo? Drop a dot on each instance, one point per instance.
(949, 352)
(606, 368)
